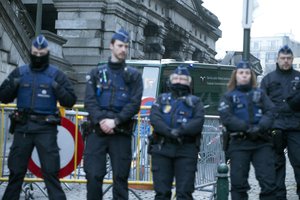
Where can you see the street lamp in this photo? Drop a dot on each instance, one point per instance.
(248, 8)
(38, 21)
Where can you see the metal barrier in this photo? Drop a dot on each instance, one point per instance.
(210, 155)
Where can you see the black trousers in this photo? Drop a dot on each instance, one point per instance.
(291, 140)
(164, 170)
(20, 153)
(118, 147)
(263, 162)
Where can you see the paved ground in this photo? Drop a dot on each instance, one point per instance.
(77, 191)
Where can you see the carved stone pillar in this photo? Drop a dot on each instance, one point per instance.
(139, 40)
(154, 36)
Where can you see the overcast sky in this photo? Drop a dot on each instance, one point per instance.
(271, 17)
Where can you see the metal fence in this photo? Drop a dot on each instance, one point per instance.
(210, 155)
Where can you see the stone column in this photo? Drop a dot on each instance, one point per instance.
(154, 36)
(81, 22)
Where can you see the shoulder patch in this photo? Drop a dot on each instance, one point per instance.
(222, 106)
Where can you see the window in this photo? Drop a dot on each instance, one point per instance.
(256, 45)
(271, 56)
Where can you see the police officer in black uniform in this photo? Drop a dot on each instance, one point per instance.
(247, 114)
(38, 87)
(113, 96)
(283, 86)
(177, 118)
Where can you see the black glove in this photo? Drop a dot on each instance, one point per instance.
(174, 133)
(253, 132)
(54, 85)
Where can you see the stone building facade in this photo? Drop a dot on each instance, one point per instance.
(178, 29)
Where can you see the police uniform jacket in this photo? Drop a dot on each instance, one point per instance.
(37, 93)
(113, 91)
(281, 86)
(244, 107)
(184, 113)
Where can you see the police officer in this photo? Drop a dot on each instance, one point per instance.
(177, 119)
(283, 87)
(247, 114)
(113, 96)
(37, 87)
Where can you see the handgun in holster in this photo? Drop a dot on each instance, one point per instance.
(86, 128)
(278, 141)
(225, 139)
(126, 128)
(16, 117)
(12, 123)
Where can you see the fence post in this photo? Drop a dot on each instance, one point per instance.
(222, 182)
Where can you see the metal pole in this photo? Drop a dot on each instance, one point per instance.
(38, 21)
(246, 45)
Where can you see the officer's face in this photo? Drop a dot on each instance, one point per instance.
(243, 76)
(285, 61)
(39, 52)
(119, 51)
(180, 79)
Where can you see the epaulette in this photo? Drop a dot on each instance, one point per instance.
(192, 100)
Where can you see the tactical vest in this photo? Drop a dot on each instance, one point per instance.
(247, 106)
(35, 93)
(177, 112)
(112, 90)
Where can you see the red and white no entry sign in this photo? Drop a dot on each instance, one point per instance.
(66, 142)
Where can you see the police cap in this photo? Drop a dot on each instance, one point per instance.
(121, 35)
(40, 42)
(285, 50)
(182, 70)
(243, 65)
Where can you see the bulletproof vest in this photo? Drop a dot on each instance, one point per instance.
(35, 93)
(177, 111)
(113, 91)
(247, 106)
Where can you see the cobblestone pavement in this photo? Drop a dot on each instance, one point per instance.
(76, 191)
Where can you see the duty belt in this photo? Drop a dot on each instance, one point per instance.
(51, 119)
(239, 135)
(183, 140)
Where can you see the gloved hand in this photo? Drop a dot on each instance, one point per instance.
(174, 133)
(253, 132)
(54, 84)
(16, 82)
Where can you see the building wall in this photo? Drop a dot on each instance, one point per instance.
(79, 32)
(158, 29)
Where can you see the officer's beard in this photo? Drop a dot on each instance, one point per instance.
(180, 90)
(39, 63)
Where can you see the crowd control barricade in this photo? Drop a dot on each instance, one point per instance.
(210, 155)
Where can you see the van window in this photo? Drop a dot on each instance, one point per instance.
(150, 77)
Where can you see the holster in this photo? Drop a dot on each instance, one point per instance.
(16, 117)
(155, 139)
(12, 123)
(86, 128)
(225, 139)
(279, 143)
(125, 128)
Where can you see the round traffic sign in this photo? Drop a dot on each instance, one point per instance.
(66, 142)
